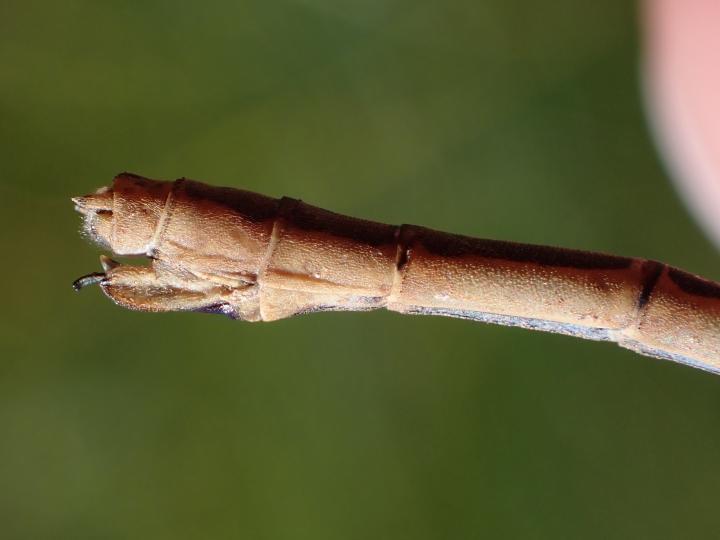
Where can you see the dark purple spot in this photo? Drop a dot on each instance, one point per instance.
(218, 309)
(651, 271)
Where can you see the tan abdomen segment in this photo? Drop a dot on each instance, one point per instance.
(681, 321)
(326, 261)
(252, 257)
(643, 305)
(322, 261)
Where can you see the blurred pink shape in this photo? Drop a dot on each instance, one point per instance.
(683, 90)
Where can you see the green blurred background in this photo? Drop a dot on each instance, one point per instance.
(505, 119)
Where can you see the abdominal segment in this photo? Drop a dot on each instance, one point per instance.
(257, 258)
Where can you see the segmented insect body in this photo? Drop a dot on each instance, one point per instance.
(257, 258)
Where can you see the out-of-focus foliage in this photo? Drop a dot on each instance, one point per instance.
(505, 119)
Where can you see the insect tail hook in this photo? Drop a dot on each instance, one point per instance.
(89, 279)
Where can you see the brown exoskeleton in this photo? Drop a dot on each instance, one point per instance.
(257, 258)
